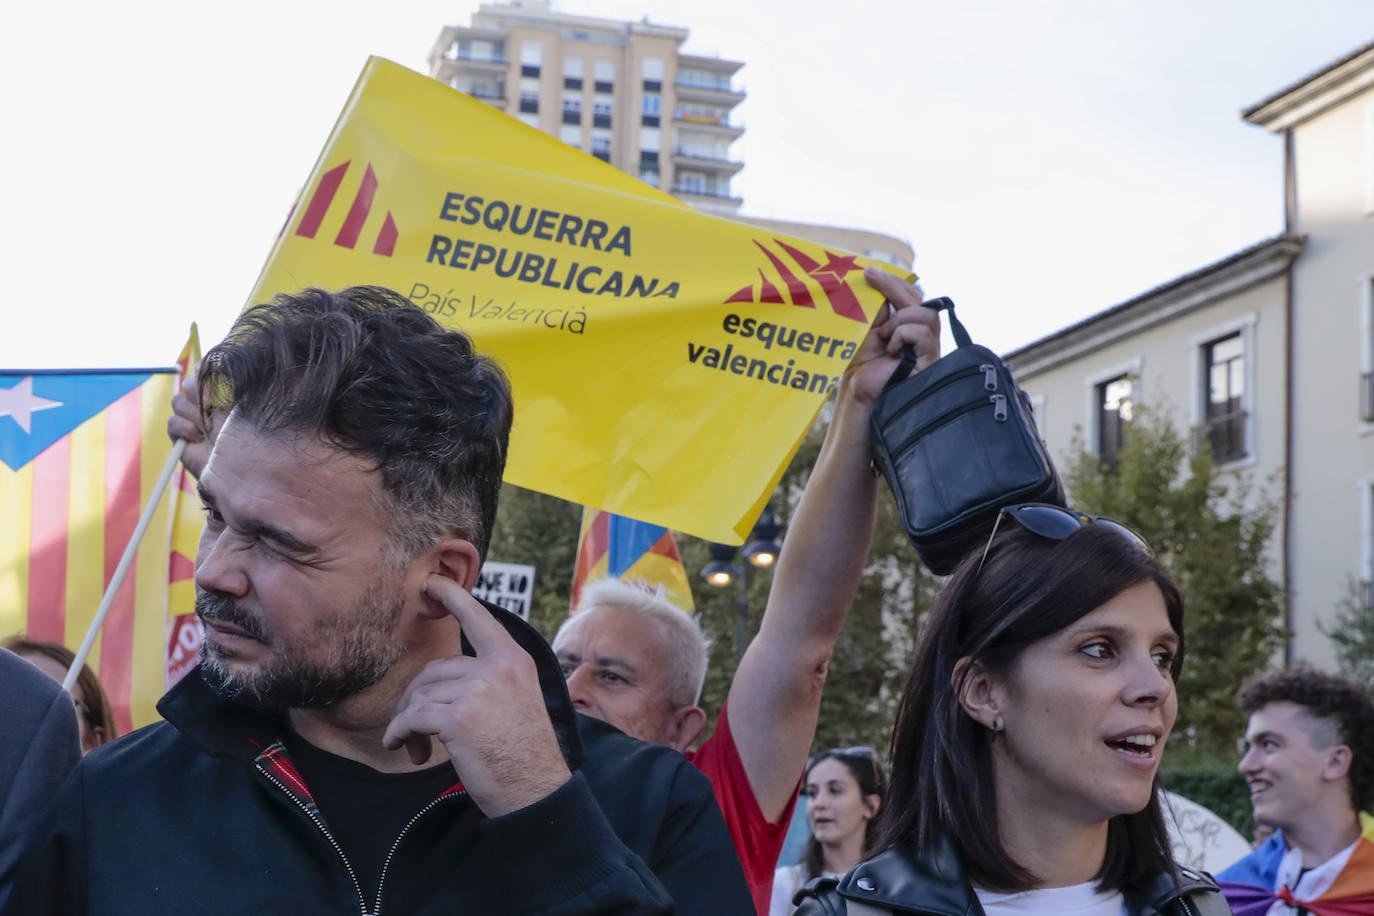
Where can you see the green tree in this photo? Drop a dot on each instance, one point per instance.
(539, 530)
(1352, 632)
(1211, 529)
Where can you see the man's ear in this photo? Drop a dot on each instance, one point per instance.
(1338, 760)
(687, 723)
(977, 691)
(453, 558)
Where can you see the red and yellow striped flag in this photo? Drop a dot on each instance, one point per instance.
(80, 451)
(612, 545)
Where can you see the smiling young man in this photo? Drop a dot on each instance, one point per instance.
(361, 734)
(1309, 762)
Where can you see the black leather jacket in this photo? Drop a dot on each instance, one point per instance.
(936, 886)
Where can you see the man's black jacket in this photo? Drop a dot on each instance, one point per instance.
(204, 813)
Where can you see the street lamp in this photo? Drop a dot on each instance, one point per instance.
(763, 547)
(760, 551)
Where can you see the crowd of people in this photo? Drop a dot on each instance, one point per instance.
(361, 734)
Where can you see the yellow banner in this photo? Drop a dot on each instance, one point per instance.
(665, 363)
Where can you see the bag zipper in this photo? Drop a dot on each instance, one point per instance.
(997, 401)
(988, 371)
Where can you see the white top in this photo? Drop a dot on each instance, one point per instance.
(1079, 899)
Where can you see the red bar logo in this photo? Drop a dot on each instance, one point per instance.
(323, 197)
(830, 276)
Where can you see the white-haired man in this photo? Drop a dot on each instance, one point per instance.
(638, 663)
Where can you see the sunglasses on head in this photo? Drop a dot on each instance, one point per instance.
(1056, 523)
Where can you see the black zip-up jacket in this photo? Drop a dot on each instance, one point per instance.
(894, 883)
(204, 813)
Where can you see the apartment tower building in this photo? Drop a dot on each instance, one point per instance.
(621, 91)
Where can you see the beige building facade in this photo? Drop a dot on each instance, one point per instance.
(621, 91)
(1268, 355)
(627, 94)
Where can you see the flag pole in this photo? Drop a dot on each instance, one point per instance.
(124, 563)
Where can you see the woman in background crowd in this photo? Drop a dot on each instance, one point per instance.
(844, 792)
(1027, 744)
(94, 714)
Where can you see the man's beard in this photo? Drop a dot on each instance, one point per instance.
(331, 662)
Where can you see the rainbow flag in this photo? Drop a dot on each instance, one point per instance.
(79, 452)
(1251, 888)
(612, 545)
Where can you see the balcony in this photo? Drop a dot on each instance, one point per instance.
(1224, 434)
(482, 60)
(1367, 397)
(721, 197)
(719, 91)
(708, 161)
(718, 125)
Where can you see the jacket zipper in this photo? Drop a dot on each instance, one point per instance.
(315, 818)
(386, 866)
(1187, 907)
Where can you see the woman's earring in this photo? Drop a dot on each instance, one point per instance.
(996, 727)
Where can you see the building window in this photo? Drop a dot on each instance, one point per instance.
(648, 168)
(653, 74)
(601, 111)
(529, 102)
(477, 49)
(572, 73)
(601, 146)
(572, 107)
(1367, 351)
(1364, 596)
(531, 58)
(652, 107)
(1114, 409)
(604, 75)
(1223, 421)
(692, 183)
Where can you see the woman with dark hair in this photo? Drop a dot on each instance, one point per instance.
(844, 792)
(1026, 751)
(94, 715)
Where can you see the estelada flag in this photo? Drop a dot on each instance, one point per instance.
(184, 630)
(1251, 885)
(79, 453)
(665, 363)
(618, 547)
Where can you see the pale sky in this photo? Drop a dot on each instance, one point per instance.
(1047, 159)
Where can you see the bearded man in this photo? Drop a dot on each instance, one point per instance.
(361, 734)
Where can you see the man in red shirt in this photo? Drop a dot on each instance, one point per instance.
(638, 663)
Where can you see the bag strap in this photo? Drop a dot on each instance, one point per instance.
(908, 354)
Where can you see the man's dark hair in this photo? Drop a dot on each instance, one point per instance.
(1344, 703)
(942, 785)
(369, 372)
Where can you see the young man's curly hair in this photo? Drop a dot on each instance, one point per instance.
(1345, 703)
